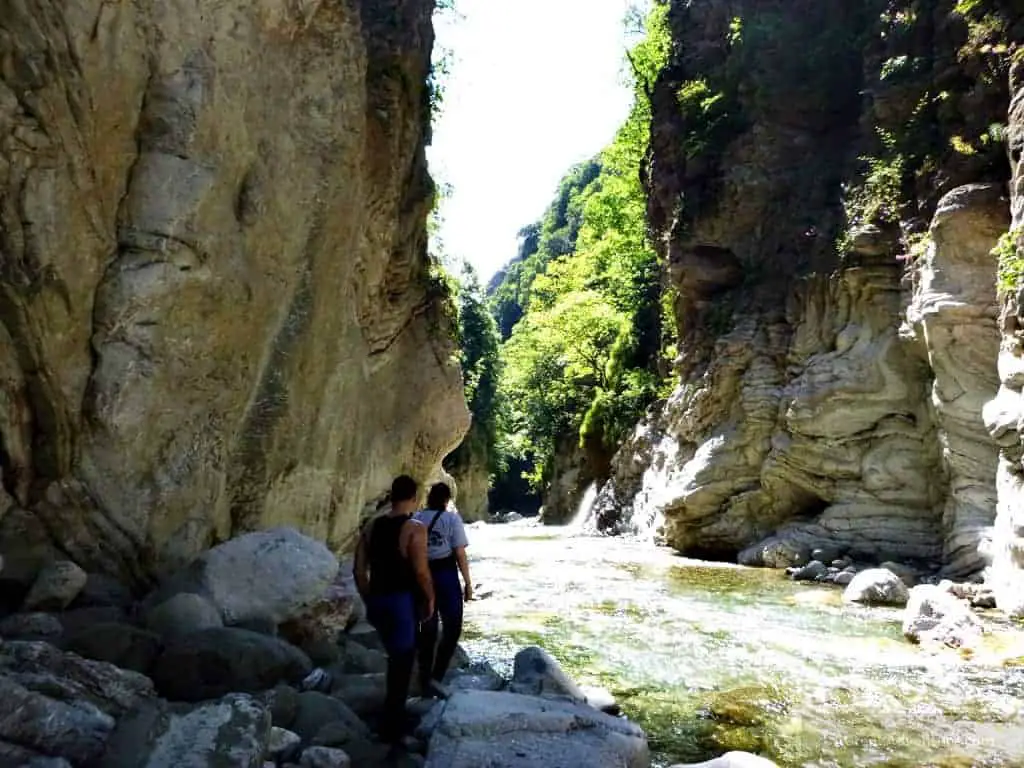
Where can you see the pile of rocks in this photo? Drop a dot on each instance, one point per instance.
(256, 653)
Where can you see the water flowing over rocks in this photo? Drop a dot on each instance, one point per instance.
(214, 275)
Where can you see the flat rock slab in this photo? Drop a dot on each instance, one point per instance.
(508, 730)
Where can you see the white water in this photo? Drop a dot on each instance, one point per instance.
(583, 520)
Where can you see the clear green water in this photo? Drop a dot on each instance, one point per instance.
(712, 657)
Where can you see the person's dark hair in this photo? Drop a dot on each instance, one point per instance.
(403, 488)
(439, 496)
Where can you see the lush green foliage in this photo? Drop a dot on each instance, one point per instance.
(481, 369)
(581, 307)
(1010, 254)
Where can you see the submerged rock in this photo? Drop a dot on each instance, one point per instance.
(876, 586)
(515, 731)
(934, 615)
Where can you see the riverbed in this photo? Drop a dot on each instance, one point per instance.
(710, 657)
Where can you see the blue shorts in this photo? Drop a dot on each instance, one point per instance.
(393, 615)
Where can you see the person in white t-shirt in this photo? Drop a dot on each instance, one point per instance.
(446, 554)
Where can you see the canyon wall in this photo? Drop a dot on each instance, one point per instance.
(214, 285)
(827, 184)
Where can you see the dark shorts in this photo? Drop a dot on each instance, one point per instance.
(394, 617)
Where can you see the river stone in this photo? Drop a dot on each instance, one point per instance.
(876, 586)
(214, 662)
(732, 760)
(813, 571)
(101, 590)
(233, 731)
(324, 757)
(31, 626)
(182, 614)
(511, 730)
(357, 658)
(15, 756)
(283, 703)
(363, 694)
(316, 710)
(843, 578)
(933, 615)
(276, 574)
(75, 730)
(536, 672)
(41, 667)
(55, 587)
(283, 745)
(77, 619)
(123, 645)
(908, 575)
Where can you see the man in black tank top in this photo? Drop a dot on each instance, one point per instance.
(392, 574)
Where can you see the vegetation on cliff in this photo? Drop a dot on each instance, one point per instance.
(581, 309)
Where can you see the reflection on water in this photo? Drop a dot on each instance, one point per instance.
(712, 657)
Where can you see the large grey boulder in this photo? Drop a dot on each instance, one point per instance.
(876, 586)
(536, 672)
(276, 574)
(214, 662)
(233, 731)
(182, 614)
(122, 645)
(508, 730)
(55, 587)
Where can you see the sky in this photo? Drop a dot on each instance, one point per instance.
(535, 86)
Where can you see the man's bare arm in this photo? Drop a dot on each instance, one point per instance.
(416, 551)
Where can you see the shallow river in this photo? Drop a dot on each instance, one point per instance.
(710, 657)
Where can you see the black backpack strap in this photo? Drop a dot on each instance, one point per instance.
(437, 516)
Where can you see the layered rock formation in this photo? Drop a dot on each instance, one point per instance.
(1005, 414)
(213, 271)
(829, 234)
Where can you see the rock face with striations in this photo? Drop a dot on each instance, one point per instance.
(837, 318)
(213, 273)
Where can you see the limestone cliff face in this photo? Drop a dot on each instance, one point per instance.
(837, 318)
(1004, 415)
(214, 278)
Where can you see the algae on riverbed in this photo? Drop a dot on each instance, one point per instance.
(709, 657)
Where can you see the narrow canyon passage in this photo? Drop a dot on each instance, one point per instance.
(709, 657)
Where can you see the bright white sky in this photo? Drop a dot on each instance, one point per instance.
(535, 86)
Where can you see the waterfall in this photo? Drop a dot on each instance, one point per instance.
(583, 521)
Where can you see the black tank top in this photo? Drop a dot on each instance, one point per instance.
(389, 571)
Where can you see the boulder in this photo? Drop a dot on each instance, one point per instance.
(510, 730)
(77, 619)
(75, 730)
(42, 668)
(283, 703)
(55, 587)
(843, 578)
(233, 731)
(363, 694)
(357, 658)
(283, 745)
(277, 574)
(908, 575)
(481, 676)
(123, 645)
(182, 614)
(14, 755)
(31, 626)
(317, 710)
(536, 672)
(328, 616)
(876, 586)
(933, 615)
(813, 571)
(214, 662)
(101, 591)
(775, 552)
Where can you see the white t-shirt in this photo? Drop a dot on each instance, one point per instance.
(447, 534)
